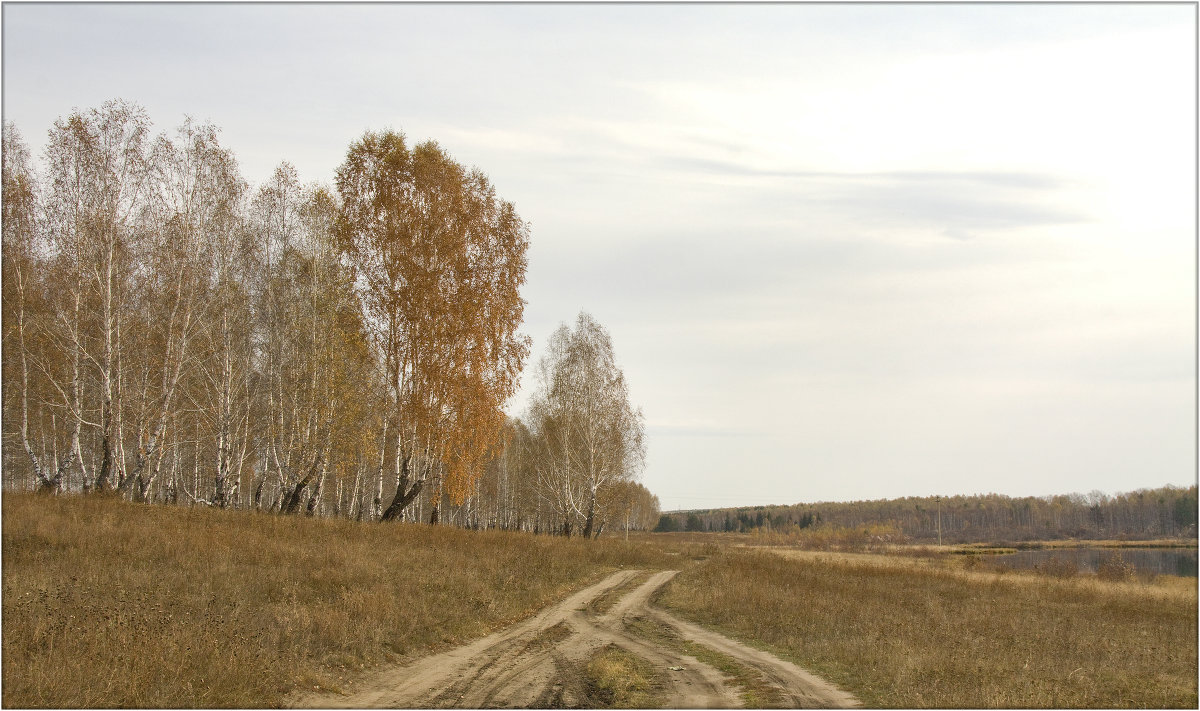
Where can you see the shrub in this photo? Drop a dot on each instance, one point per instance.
(1113, 567)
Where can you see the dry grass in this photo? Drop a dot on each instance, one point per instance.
(617, 679)
(722, 538)
(906, 633)
(980, 568)
(112, 604)
(829, 537)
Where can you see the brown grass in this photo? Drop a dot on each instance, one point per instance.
(615, 678)
(904, 633)
(113, 604)
(830, 537)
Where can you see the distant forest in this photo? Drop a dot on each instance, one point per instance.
(1147, 513)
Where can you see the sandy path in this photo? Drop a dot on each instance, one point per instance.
(536, 663)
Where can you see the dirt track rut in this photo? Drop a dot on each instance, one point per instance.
(536, 663)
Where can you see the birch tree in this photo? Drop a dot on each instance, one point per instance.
(438, 262)
(98, 175)
(629, 505)
(591, 438)
(25, 268)
(334, 383)
(292, 442)
(96, 267)
(187, 245)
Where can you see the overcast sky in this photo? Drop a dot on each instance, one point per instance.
(844, 251)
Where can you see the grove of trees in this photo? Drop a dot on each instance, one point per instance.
(172, 334)
(1146, 513)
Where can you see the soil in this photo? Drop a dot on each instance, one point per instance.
(538, 663)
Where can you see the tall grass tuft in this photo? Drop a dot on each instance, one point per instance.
(110, 604)
(615, 678)
(914, 635)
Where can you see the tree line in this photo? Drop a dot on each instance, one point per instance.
(1146, 513)
(173, 335)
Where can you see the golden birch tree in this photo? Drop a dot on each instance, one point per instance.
(439, 261)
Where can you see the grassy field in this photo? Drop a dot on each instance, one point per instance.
(909, 633)
(109, 604)
(113, 604)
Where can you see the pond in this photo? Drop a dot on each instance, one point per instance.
(1160, 561)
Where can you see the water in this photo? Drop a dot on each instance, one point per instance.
(1161, 561)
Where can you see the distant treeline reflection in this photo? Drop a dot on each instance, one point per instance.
(1159, 561)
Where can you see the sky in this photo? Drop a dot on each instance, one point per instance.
(844, 251)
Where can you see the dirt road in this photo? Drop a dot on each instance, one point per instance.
(537, 662)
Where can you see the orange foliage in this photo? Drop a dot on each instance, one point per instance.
(439, 263)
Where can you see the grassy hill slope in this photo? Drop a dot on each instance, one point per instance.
(107, 603)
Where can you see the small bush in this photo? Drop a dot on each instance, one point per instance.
(1114, 568)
